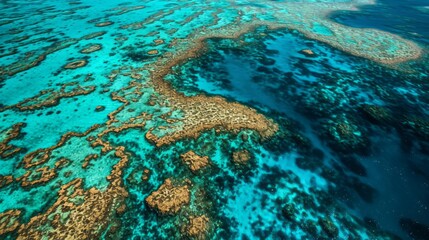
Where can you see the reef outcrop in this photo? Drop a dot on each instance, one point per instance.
(8, 150)
(241, 157)
(198, 227)
(169, 198)
(76, 64)
(194, 161)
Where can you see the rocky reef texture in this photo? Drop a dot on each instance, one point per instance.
(7, 150)
(329, 227)
(377, 114)
(345, 136)
(76, 64)
(168, 199)
(194, 161)
(313, 22)
(9, 221)
(51, 97)
(80, 213)
(307, 52)
(198, 227)
(104, 24)
(5, 180)
(241, 157)
(91, 48)
(201, 114)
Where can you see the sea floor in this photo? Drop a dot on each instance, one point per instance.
(214, 119)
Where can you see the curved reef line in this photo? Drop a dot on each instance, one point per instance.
(373, 44)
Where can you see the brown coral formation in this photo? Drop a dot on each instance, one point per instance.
(42, 155)
(241, 157)
(83, 214)
(202, 113)
(79, 213)
(158, 41)
(153, 52)
(72, 215)
(198, 227)
(146, 174)
(18, 39)
(88, 159)
(76, 64)
(8, 135)
(307, 52)
(190, 18)
(94, 35)
(41, 175)
(5, 180)
(376, 114)
(100, 108)
(104, 24)
(50, 97)
(168, 199)
(152, 18)
(91, 48)
(31, 59)
(9, 221)
(136, 122)
(194, 161)
(125, 9)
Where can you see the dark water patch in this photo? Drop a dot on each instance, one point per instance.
(308, 163)
(415, 229)
(353, 164)
(365, 191)
(139, 56)
(405, 18)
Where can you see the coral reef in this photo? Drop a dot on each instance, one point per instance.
(307, 52)
(5, 180)
(104, 24)
(7, 150)
(201, 114)
(9, 221)
(76, 64)
(91, 48)
(345, 136)
(79, 213)
(169, 198)
(198, 227)
(153, 52)
(50, 97)
(376, 114)
(241, 157)
(194, 161)
(329, 227)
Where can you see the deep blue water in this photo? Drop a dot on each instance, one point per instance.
(406, 18)
(384, 181)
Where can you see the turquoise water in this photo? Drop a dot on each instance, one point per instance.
(313, 118)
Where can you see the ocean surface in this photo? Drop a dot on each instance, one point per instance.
(294, 119)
